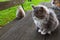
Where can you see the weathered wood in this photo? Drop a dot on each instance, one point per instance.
(23, 30)
(9, 25)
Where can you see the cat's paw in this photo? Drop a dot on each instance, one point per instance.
(43, 33)
(39, 30)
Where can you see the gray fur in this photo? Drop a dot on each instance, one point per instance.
(48, 23)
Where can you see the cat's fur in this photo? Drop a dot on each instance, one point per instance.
(20, 13)
(45, 19)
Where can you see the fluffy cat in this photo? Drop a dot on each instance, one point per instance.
(45, 19)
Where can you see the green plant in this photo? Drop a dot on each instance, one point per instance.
(3, 0)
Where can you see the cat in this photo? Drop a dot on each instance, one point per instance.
(56, 3)
(45, 19)
(56, 7)
(20, 12)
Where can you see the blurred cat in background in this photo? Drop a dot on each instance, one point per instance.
(56, 3)
(20, 13)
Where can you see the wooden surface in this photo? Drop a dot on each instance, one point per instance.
(24, 29)
(9, 25)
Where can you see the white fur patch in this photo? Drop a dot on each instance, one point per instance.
(38, 22)
(43, 33)
(39, 30)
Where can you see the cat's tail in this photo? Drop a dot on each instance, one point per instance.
(20, 13)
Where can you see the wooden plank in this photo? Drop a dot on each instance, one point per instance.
(23, 30)
(9, 25)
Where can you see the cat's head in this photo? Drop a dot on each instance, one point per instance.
(40, 11)
(56, 3)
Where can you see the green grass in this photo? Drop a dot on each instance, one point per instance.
(9, 14)
(27, 5)
(3, 0)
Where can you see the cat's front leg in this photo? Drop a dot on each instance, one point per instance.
(38, 29)
(43, 33)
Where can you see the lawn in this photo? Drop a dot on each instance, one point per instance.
(27, 5)
(3, 0)
(9, 14)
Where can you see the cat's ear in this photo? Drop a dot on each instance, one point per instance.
(41, 9)
(33, 6)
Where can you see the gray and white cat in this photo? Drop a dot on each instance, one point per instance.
(45, 19)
